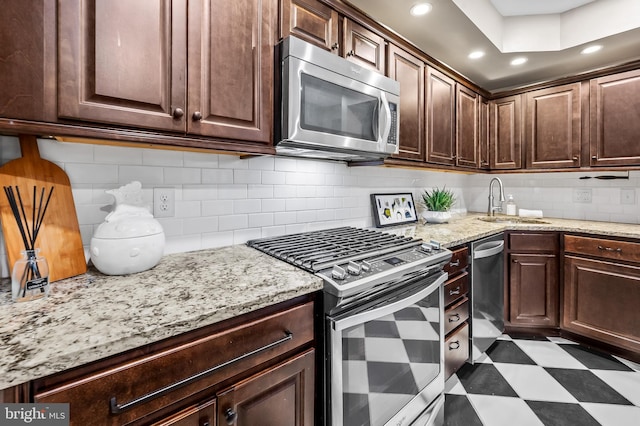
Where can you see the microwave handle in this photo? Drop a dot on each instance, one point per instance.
(385, 119)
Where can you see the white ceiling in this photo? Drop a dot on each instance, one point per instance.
(550, 33)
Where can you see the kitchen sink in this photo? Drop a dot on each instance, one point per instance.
(501, 219)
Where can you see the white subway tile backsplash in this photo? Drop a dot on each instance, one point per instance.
(224, 199)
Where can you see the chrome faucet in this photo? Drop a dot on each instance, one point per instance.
(492, 208)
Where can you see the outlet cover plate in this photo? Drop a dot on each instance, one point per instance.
(627, 196)
(582, 195)
(164, 202)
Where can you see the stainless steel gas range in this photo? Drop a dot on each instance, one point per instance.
(384, 331)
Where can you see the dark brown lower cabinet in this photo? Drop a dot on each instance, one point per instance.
(602, 301)
(533, 287)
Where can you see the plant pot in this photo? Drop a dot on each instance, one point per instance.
(436, 217)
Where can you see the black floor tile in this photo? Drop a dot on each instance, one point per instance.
(356, 409)
(391, 377)
(353, 349)
(586, 386)
(422, 351)
(410, 314)
(484, 379)
(593, 359)
(387, 329)
(561, 414)
(508, 352)
(458, 411)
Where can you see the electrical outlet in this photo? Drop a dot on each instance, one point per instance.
(582, 195)
(164, 202)
(628, 196)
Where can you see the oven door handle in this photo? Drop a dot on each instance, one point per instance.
(382, 311)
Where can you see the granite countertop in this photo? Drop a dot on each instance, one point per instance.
(93, 316)
(469, 227)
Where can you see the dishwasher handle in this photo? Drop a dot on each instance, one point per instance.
(488, 249)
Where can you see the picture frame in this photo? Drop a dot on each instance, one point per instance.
(393, 209)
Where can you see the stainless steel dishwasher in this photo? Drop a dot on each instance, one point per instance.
(487, 293)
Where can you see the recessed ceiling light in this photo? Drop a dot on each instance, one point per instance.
(591, 49)
(519, 61)
(476, 55)
(420, 9)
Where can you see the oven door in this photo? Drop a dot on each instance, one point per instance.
(386, 359)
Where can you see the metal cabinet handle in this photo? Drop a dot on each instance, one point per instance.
(617, 250)
(456, 263)
(119, 408)
(456, 291)
(230, 416)
(178, 113)
(351, 53)
(452, 347)
(457, 318)
(197, 116)
(335, 46)
(594, 157)
(205, 422)
(515, 261)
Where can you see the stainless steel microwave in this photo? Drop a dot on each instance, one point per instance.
(334, 109)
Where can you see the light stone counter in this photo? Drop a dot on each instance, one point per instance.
(469, 228)
(92, 316)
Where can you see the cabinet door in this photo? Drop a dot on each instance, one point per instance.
(231, 69)
(614, 119)
(483, 138)
(363, 47)
(553, 127)
(505, 144)
(123, 62)
(601, 301)
(409, 71)
(199, 415)
(311, 21)
(440, 111)
(280, 396)
(533, 292)
(467, 130)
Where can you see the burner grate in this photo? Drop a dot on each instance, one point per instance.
(317, 250)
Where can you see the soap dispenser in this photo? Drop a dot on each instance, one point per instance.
(511, 206)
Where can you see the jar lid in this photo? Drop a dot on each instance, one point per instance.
(130, 228)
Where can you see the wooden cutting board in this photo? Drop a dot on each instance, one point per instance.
(59, 238)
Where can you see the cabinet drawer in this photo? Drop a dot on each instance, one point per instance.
(456, 288)
(459, 261)
(602, 247)
(456, 315)
(531, 241)
(118, 395)
(456, 350)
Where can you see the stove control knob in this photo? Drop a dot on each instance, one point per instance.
(353, 268)
(338, 273)
(426, 247)
(366, 266)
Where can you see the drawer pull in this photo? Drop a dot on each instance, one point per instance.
(617, 250)
(456, 291)
(454, 345)
(230, 416)
(454, 264)
(119, 408)
(457, 318)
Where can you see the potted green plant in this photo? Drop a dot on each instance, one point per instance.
(437, 203)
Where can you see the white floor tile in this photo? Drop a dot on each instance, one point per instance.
(625, 382)
(561, 340)
(503, 411)
(532, 382)
(505, 337)
(547, 354)
(613, 415)
(630, 364)
(483, 359)
(453, 386)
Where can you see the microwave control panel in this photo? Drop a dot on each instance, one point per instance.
(393, 133)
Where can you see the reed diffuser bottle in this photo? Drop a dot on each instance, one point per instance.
(30, 277)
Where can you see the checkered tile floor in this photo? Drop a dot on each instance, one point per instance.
(544, 381)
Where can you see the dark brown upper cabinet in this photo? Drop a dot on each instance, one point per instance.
(615, 119)
(440, 117)
(505, 144)
(553, 121)
(363, 47)
(311, 21)
(409, 71)
(483, 138)
(201, 67)
(467, 127)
